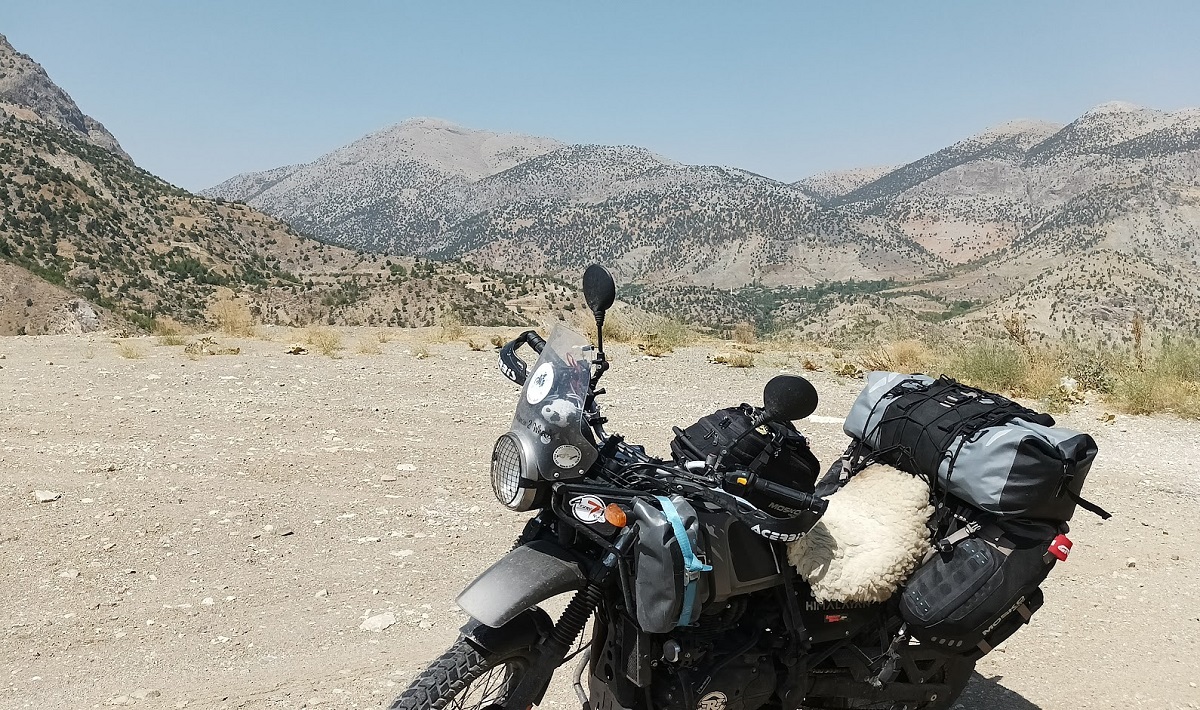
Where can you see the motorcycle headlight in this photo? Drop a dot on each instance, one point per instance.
(508, 474)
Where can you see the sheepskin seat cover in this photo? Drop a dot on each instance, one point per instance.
(869, 540)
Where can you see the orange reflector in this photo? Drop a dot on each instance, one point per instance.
(615, 516)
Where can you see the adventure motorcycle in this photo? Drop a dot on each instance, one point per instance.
(748, 634)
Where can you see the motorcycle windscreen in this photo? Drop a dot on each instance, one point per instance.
(549, 415)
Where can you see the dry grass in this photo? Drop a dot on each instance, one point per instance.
(744, 333)
(657, 337)
(231, 316)
(450, 329)
(1135, 378)
(166, 326)
(1167, 382)
(476, 344)
(129, 350)
(326, 341)
(737, 358)
(421, 352)
(368, 345)
(171, 340)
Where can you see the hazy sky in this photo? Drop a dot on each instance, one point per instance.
(199, 91)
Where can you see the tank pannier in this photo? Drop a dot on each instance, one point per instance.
(670, 580)
(775, 451)
(986, 450)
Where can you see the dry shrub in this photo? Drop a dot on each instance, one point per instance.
(326, 341)
(383, 336)
(368, 345)
(744, 332)
(231, 316)
(421, 352)
(168, 326)
(663, 336)
(451, 328)
(207, 346)
(810, 365)
(735, 359)
(900, 356)
(1170, 382)
(497, 341)
(992, 366)
(476, 345)
(130, 351)
(618, 328)
(171, 340)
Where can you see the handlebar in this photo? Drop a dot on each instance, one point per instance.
(797, 498)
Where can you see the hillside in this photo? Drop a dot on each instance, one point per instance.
(997, 221)
(89, 240)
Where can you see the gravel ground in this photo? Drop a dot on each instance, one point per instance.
(222, 526)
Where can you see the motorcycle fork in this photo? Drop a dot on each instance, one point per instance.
(552, 651)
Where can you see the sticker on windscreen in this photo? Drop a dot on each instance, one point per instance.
(588, 509)
(540, 383)
(567, 456)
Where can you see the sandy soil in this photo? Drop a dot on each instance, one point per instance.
(223, 525)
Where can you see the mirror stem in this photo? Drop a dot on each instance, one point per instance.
(601, 360)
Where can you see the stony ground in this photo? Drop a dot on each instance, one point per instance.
(221, 526)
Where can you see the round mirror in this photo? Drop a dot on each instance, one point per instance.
(789, 397)
(599, 289)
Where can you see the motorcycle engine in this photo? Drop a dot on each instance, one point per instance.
(715, 666)
(743, 682)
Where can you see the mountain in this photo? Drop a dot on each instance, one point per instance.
(393, 190)
(24, 84)
(89, 240)
(999, 220)
(829, 186)
(562, 206)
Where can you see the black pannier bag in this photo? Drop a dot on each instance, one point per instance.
(987, 450)
(978, 586)
(775, 451)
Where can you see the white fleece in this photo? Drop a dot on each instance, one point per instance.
(869, 540)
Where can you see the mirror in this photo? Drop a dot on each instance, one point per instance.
(599, 289)
(789, 397)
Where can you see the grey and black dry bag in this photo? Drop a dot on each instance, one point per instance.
(986, 450)
(670, 583)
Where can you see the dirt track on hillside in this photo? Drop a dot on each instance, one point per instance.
(224, 525)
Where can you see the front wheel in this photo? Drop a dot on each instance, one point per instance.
(463, 678)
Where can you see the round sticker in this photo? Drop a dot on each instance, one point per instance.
(715, 700)
(567, 456)
(539, 383)
(588, 509)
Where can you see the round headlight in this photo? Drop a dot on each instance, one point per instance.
(507, 469)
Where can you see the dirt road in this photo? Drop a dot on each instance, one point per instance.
(220, 527)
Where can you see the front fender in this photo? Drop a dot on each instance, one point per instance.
(523, 578)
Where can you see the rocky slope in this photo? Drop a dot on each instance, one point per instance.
(89, 240)
(23, 83)
(990, 223)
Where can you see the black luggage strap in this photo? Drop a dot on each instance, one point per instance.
(1089, 506)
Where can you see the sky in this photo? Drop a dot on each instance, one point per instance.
(200, 91)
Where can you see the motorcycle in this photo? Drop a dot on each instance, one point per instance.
(757, 638)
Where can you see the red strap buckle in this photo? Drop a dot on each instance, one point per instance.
(1060, 547)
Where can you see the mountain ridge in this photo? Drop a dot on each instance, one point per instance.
(1013, 187)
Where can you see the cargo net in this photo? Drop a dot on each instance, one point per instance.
(918, 429)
